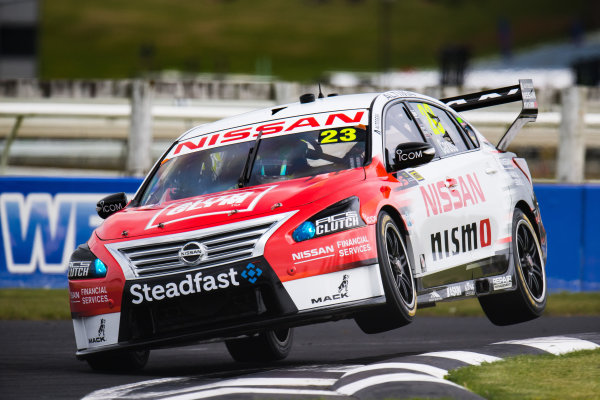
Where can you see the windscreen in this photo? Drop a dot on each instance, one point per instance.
(280, 157)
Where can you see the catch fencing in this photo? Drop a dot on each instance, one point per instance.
(44, 219)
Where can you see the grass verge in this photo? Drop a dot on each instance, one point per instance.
(570, 376)
(45, 304)
(559, 304)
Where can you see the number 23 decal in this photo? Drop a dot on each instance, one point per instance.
(334, 136)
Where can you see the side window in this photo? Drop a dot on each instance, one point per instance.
(439, 129)
(399, 127)
(474, 142)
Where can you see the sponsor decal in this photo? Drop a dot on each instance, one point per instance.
(336, 223)
(345, 248)
(274, 128)
(342, 293)
(190, 284)
(240, 201)
(453, 291)
(101, 333)
(416, 175)
(469, 288)
(93, 295)
(371, 219)
(192, 253)
(461, 239)
(406, 180)
(353, 246)
(408, 155)
(79, 269)
(251, 273)
(313, 254)
(434, 296)
(452, 194)
(109, 208)
(502, 282)
(394, 94)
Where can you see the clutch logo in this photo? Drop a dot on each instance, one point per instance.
(101, 332)
(79, 269)
(251, 273)
(337, 222)
(188, 285)
(342, 293)
(39, 231)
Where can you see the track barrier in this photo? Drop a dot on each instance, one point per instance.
(43, 219)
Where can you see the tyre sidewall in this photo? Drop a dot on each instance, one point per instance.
(395, 301)
(535, 306)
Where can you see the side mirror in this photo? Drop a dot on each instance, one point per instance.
(412, 154)
(111, 204)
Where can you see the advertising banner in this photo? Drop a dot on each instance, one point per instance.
(43, 220)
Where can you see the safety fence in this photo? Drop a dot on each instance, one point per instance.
(44, 219)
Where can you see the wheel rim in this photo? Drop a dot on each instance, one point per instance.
(399, 265)
(530, 261)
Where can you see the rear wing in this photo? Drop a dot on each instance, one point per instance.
(524, 91)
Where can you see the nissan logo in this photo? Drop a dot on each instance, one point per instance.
(192, 253)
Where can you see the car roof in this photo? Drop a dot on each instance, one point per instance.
(326, 104)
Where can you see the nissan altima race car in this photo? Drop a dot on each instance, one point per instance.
(361, 206)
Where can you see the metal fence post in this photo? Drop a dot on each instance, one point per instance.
(571, 136)
(139, 144)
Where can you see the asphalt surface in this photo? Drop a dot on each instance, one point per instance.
(37, 358)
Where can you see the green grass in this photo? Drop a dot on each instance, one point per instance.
(34, 304)
(292, 39)
(43, 304)
(571, 376)
(559, 304)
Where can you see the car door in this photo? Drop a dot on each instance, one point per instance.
(445, 202)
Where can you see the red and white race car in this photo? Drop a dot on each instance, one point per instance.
(360, 206)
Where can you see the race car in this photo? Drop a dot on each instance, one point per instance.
(363, 206)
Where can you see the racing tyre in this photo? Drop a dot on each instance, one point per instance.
(267, 346)
(529, 299)
(119, 361)
(397, 279)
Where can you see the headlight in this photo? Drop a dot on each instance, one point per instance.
(85, 265)
(341, 216)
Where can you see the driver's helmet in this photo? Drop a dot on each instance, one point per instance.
(278, 160)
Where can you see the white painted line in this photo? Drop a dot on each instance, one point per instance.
(184, 393)
(354, 387)
(468, 357)
(555, 344)
(240, 390)
(124, 390)
(327, 368)
(427, 369)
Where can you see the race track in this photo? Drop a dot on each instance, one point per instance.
(37, 361)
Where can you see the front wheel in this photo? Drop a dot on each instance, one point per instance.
(266, 346)
(397, 279)
(529, 299)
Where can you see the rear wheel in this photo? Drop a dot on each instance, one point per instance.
(119, 361)
(529, 299)
(397, 279)
(266, 346)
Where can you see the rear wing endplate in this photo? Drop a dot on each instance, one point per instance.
(524, 91)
